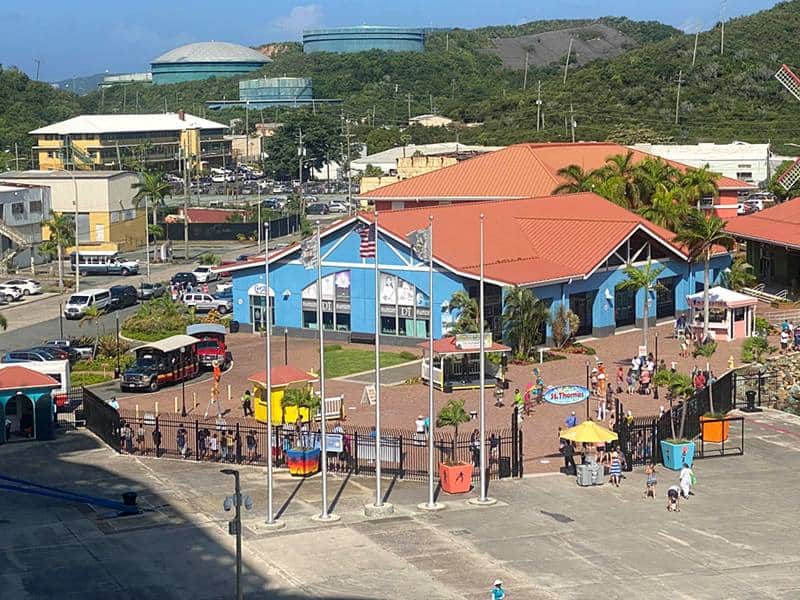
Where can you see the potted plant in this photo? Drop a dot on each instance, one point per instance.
(303, 457)
(676, 450)
(713, 425)
(455, 476)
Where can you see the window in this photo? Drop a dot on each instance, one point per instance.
(405, 310)
(744, 175)
(335, 293)
(18, 210)
(738, 314)
(35, 207)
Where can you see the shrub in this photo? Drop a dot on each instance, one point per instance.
(755, 348)
(158, 318)
(706, 349)
(208, 258)
(763, 327)
(408, 355)
(107, 346)
(332, 348)
(564, 324)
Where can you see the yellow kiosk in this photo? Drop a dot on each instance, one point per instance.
(282, 378)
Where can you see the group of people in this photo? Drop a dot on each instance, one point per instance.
(681, 490)
(790, 336)
(179, 288)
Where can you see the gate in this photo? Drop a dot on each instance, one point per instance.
(638, 441)
(101, 419)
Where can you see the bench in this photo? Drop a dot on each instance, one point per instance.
(362, 338)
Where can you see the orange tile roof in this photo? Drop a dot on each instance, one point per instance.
(281, 375)
(527, 241)
(14, 378)
(519, 171)
(779, 224)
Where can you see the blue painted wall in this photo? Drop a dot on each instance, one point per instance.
(340, 252)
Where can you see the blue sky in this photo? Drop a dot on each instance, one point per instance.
(82, 37)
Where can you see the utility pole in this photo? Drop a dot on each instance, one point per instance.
(566, 65)
(694, 53)
(408, 97)
(678, 97)
(430, 97)
(38, 64)
(722, 28)
(447, 42)
(538, 103)
(347, 135)
(301, 152)
(572, 122)
(186, 205)
(525, 78)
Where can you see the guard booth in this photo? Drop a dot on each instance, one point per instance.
(282, 379)
(26, 404)
(456, 362)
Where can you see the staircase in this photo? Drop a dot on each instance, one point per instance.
(789, 80)
(13, 235)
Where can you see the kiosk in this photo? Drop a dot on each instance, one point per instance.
(456, 362)
(282, 378)
(731, 315)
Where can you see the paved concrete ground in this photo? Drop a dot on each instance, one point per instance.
(546, 538)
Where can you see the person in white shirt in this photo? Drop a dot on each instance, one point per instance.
(685, 478)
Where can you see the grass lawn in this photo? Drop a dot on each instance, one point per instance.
(344, 361)
(83, 378)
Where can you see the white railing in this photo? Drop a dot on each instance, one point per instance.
(438, 376)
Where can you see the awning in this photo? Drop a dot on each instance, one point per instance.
(205, 328)
(169, 344)
(257, 289)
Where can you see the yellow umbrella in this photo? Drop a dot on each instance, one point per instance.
(589, 432)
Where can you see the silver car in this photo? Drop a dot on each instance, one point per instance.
(28, 286)
(206, 302)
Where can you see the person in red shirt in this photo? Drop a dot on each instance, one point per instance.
(699, 381)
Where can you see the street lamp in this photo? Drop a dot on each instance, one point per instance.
(655, 371)
(285, 346)
(588, 388)
(117, 371)
(77, 239)
(183, 381)
(235, 526)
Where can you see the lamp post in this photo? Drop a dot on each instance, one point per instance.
(61, 320)
(235, 526)
(588, 388)
(285, 346)
(117, 371)
(183, 382)
(655, 371)
(77, 239)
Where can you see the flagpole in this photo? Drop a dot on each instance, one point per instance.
(271, 522)
(323, 457)
(482, 499)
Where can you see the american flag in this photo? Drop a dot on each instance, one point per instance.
(367, 247)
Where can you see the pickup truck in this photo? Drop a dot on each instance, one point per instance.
(211, 347)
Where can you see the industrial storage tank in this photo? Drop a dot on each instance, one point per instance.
(203, 60)
(275, 90)
(363, 38)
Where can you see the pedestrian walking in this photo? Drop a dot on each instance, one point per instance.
(214, 447)
(686, 480)
(201, 444)
(568, 450)
(127, 433)
(247, 403)
(784, 341)
(475, 448)
(223, 442)
(180, 440)
(157, 441)
(615, 469)
(620, 379)
(572, 420)
(673, 492)
(651, 481)
(498, 593)
(250, 440)
(140, 438)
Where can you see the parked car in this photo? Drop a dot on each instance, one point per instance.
(28, 286)
(221, 287)
(78, 302)
(207, 302)
(16, 356)
(64, 344)
(64, 353)
(10, 292)
(317, 209)
(204, 274)
(226, 294)
(337, 207)
(53, 352)
(122, 296)
(184, 278)
(148, 291)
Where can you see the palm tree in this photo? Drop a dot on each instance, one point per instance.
(651, 172)
(701, 234)
(577, 180)
(62, 234)
(620, 169)
(3, 322)
(739, 275)
(154, 188)
(680, 388)
(523, 315)
(467, 321)
(698, 184)
(156, 232)
(452, 415)
(666, 208)
(643, 278)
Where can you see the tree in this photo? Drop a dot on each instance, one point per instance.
(652, 172)
(523, 315)
(698, 184)
(468, 309)
(382, 138)
(680, 388)
(321, 139)
(643, 278)
(701, 235)
(372, 171)
(452, 415)
(621, 170)
(577, 180)
(303, 397)
(62, 234)
(154, 188)
(739, 275)
(156, 232)
(666, 207)
(565, 324)
(776, 188)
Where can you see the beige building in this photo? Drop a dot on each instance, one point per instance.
(430, 121)
(107, 217)
(410, 166)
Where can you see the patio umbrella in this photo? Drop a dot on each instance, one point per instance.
(589, 432)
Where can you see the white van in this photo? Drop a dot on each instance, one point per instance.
(79, 301)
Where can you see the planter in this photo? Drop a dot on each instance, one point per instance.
(455, 479)
(715, 431)
(673, 455)
(303, 461)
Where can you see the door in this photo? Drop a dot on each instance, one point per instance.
(665, 298)
(624, 306)
(581, 304)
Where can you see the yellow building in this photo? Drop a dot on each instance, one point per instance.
(282, 378)
(107, 217)
(164, 140)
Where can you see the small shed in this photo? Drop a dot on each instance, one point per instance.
(456, 361)
(731, 314)
(26, 404)
(283, 377)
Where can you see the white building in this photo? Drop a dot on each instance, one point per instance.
(386, 161)
(752, 163)
(23, 209)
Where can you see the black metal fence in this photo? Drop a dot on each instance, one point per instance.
(639, 439)
(232, 231)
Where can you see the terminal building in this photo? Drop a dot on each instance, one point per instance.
(204, 60)
(569, 251)
(363, 38)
